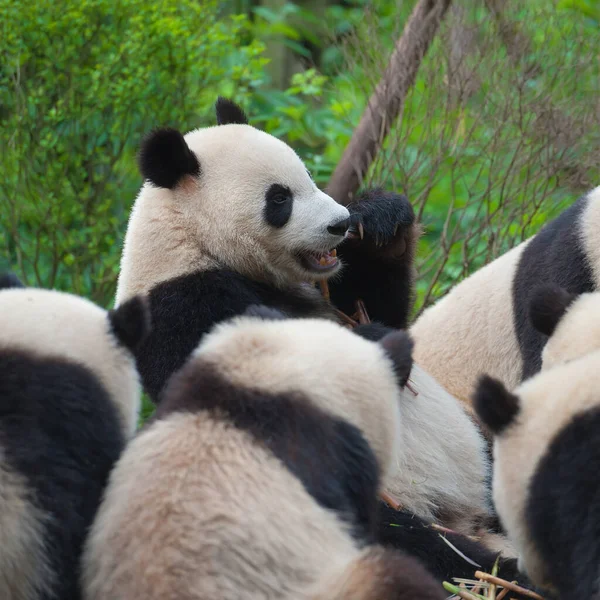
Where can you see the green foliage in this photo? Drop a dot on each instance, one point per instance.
(80, 83)
(491, 159)
(589, 8)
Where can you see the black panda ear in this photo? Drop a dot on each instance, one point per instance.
(264, 312)
(495, 406)
(131, 322)
(547, 306)
(398, 345)
(165, 158)
(229, 112)
(9, 280)
(373, 331)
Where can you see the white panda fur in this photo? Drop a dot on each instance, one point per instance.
(546, 486)
(442, 465)
(221, 495)
(198, 244)
(482, 325)
(229, 217)
(238, 164)
(69, 398)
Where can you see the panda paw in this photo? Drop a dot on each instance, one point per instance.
(383, 223)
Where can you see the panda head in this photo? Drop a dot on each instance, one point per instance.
(545, 441)
(48, 324)
(339, 372)
(569, 322)
(229, 196)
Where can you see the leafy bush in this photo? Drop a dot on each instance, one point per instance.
(80, 83)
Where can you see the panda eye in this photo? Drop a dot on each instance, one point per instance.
(278, 194)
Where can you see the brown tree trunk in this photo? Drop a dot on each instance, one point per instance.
(387, 101)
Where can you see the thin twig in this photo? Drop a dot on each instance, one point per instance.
(507, 585)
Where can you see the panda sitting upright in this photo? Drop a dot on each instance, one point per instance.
(230, 217)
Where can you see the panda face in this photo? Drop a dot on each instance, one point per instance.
(230, 197)
(52, 324)
(359, 383)
(257, 208)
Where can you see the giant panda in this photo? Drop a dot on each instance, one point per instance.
(283, 358)
(546, 481)
(229, 217)
(258, 474)
(69, 399)
(483, 325)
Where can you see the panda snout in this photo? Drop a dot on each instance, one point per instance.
(339, 228)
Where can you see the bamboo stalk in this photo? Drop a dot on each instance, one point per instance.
(390, 501)
(507, 585)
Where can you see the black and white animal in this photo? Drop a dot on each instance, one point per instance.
(69, 399)
(229, 217)
(259, 472)
(570, 323)
(483, 325)
(546, 481)
(442, 467)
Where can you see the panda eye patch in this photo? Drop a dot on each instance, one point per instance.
(278, 205)
(279, 194)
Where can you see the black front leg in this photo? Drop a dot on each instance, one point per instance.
(378, 258)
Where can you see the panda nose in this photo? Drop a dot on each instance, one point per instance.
(340, 227)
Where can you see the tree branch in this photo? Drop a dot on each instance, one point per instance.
(385, 105)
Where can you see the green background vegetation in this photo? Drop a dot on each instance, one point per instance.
(82, 81)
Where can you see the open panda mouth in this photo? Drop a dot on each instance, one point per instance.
(320, 262)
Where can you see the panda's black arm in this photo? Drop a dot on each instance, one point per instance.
(378, 259)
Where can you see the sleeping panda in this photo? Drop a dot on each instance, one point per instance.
(483, 325)
(229, 217)
(569, 322)
(546, 481)
(257, 477)
(69, 399)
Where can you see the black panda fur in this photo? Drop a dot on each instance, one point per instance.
(405, 531)
(546, 485)
(378, 259)
(60, 434)
(10, 280)
(483, 325)
(555, 255)
(223, 419)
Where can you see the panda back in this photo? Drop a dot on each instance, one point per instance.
(60, 434)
